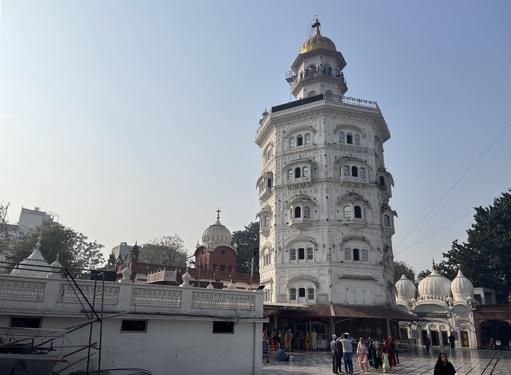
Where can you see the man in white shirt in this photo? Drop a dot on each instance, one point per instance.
(347, 352)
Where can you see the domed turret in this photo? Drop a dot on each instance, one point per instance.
(217, 234)
(406, 289)
(461, 288)
(34, 265)
(317, 41)
(435, 286)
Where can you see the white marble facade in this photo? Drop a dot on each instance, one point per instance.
(446, 306)
(326, 224)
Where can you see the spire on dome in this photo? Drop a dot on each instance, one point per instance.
(218, 215)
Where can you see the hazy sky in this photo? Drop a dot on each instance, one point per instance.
(136, 119)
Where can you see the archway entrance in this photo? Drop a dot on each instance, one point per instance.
(496, 329)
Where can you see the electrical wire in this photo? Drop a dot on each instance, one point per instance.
(465, 173)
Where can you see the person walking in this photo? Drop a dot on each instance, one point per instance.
(307, 341)
(397, 344)
(288, 340)
(314, 340)
(275, 341)
(427, 343)
(347, 352)
(443, 366)
(362, 356)
(334, 349)
(451, 339)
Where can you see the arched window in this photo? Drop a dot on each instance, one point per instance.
(310, 253)
(299, 140)
(292, 294)
(311, 93)
(298, 212)
(347, 254)
(346, 170)
(301, 292)
(356, 255)
(365, 255)
(386, 220)
(308, 139)
(354, 171)
(362, 171)
(269, 182)
(290, 174)
(349, 138)
(382, 181)
(305, 172)
(301, 253)
(310, 293)
(306, 212)
(342, 138)
(357, 139)
(358, 212)
(298, 172)
(292, 254)
(291, 142)
(347, 212)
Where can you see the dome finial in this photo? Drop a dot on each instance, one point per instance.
(218, 215)
(316, 26)
(433, 267)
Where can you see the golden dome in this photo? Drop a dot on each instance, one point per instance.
(318, 41)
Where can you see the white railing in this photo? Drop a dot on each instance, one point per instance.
(156, 297)
(69, 294)
(41, 296)
(21, 290)
(224, 301)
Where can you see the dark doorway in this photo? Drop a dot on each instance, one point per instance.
(435, 340)
(445, 341)
(496, 329)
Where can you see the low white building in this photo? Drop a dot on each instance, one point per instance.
(160, 328)
(446, 306)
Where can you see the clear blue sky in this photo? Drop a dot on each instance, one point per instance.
(135, 119)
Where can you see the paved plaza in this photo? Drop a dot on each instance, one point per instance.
(473, 362)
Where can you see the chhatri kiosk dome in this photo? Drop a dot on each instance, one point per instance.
(445, 306)
(216, 253)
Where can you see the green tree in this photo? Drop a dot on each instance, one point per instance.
(73, 248)
(168, 250)
(485, 258)
(247, 240)
(401, 268)
(4, 229)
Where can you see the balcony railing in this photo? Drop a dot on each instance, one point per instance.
(40, 296)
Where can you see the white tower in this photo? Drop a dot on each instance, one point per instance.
(326, 224)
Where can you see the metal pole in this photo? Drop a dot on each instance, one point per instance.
(101, 321)
(92, 324)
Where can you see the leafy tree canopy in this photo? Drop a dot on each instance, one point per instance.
(401, 268)
(485, 258)
(73, 248)
(168, 250)
(247, 240)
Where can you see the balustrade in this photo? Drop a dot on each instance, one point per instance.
(224, 301)
(21, 290)
(156, 297)
(68, 295)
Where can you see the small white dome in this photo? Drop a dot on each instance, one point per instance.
(461, 288)
(435, 286)
(34, 265)
(56, 262)
(217, 234)
(406, 289)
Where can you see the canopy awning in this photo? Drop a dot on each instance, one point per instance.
(341, 311)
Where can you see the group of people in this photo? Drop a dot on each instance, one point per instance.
(496, 344)
(378, 354)
(289, 341)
